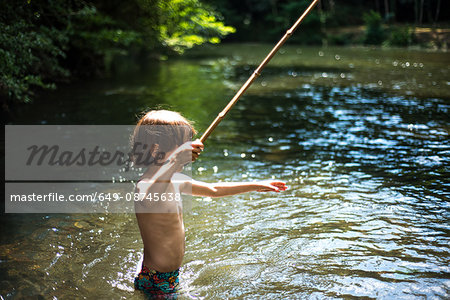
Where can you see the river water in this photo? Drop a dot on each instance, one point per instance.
(361, 137)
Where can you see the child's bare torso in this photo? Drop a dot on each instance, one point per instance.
(161, 226)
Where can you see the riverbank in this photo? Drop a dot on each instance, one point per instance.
(425, 37)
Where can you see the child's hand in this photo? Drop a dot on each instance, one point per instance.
(186, 153)
(272, 186)
(197, 148)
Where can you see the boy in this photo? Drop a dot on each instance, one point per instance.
(161, 221)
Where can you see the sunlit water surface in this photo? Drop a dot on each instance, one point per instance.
(360, 136)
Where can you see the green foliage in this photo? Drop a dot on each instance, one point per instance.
(344, 14)
(309, 32)
(375, 33)
(43, 42)
(29, 53)
(268, 20)
(401, 36)
(186, 23)
(107, 36)
(340, 39)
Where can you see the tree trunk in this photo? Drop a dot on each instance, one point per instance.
(393, 9)
(331, 3)
(386, 9)
(416, 12)
(274, 7)
(421, 12)
(429, 12)
(323, 26)
(438, 8)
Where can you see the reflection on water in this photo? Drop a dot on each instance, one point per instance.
(367, 212)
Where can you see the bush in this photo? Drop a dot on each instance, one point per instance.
(401, 36)
(342, 39)
(375, 33)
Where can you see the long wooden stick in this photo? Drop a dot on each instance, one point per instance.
(255, 74)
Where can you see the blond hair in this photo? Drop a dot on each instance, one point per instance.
(159, 132)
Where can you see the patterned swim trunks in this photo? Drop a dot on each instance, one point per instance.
(162, 285)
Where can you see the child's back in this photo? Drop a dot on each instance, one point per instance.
(161, 227)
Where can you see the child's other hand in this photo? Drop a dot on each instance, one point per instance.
(197, 148)
(186, 153)
(272, 186)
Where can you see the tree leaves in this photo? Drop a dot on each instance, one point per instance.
(43, 42)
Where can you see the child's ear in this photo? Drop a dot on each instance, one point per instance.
(154, 150)
(158, 158)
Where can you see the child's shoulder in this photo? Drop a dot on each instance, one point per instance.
(177, 178)
(180, 177)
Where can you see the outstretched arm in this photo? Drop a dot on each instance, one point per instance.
(222, 189)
